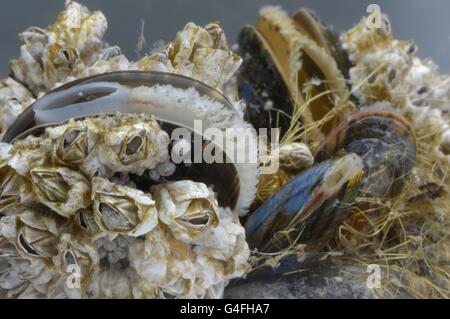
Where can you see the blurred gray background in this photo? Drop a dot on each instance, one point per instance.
(425, 21)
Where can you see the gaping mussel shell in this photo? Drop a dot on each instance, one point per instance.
(287, 63)
(309, 23)
(308, 208)
(174, 100)
(386, 142)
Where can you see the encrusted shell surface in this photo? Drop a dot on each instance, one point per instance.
(187, 208)
(122, 210)
(63, 190)
(201, 53)
(386, 69)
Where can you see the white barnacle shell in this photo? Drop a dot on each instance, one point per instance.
(36, 235)
(84, 218)
(61, 189)
(226, 243)
(29, 153)
(14, 98)
(10, 187)
(73, 143)
(122, 210)
(201, 53)
(110, 283)
(295, 156)
(78, 27)
(51, 55)
(188, 208)
(76, 255)
(132, 145)
(163, 266)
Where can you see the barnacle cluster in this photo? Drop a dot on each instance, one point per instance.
(75, 220)
(170, 240)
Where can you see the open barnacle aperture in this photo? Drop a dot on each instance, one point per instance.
(122, 210)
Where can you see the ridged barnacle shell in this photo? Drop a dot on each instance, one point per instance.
(295, 156)
(226, 242)
(77, 256)
(59, 62)
(14, 98)
(61, 189)
(73, 142)
(29, 153)
(198, 52)
(73, 42)
(132, 145)
(122, 210)
(10, 191)
(164, 266)
(36, 236)
(187, 208)
(85, 219)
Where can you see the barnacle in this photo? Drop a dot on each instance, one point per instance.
(122, 210)
(187, 208)
(132, 147)
(63, 190)
(9, 188)
(201, 53)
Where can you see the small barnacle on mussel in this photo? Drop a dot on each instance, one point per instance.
(385, 141)
(289, 73)
(73, 142)
(81, 256)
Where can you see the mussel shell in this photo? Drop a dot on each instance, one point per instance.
(261, 84)
(283, 70)
(311, 206)
(386, 142)
(310, 23)
(61, 97)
